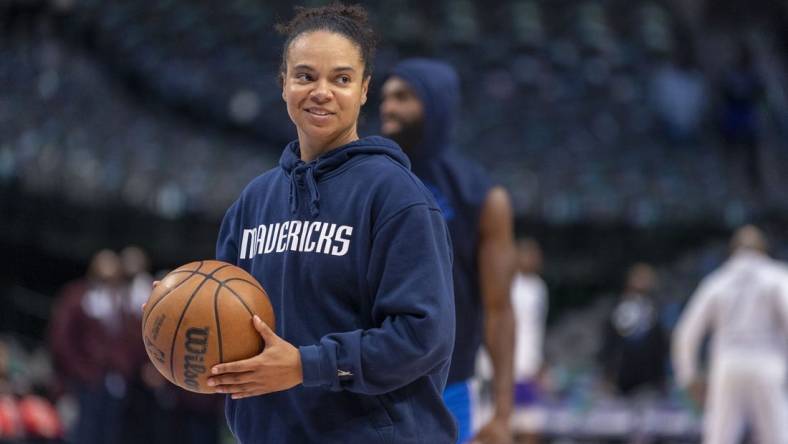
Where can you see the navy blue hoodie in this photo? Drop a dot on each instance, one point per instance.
(356, 259)
(460, 186)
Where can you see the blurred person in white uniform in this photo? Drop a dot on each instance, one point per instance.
(529, 304)
(744, 304)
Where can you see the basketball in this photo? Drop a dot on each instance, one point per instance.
(200, 315)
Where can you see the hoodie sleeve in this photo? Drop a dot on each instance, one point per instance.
(227, 243)
(410, 276)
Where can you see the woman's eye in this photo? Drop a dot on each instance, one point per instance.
(303, 76)
(343, 79)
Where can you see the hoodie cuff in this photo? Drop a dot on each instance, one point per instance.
(311, 357)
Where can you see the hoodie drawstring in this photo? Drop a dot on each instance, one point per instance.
(306, 171)
(309, 173)
(293, 195)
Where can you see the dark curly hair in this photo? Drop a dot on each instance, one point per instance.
(350, 21)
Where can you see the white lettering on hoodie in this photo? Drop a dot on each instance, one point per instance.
(295, 235)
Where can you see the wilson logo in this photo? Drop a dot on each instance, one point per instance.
(193, 363)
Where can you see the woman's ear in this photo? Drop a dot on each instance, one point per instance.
(365, 89)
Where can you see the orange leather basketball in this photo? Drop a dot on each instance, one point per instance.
(200, 315)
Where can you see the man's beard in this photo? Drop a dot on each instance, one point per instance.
(409, 136)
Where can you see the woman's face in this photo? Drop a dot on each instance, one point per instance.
(324, 88)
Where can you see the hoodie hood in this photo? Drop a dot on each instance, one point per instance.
(438, 86)
(307, 174)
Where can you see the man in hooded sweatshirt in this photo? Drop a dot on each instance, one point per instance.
(420, 103)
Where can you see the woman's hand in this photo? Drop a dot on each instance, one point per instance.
(277, 368)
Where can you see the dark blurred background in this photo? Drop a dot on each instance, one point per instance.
(626, 131)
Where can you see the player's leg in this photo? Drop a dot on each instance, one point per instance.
(723, 418)
(769, 400)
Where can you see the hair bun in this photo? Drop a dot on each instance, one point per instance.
(351, 21)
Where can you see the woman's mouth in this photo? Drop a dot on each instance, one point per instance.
(318, 112)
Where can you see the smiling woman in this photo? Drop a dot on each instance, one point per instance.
(325, 72)
(355, 257)
(324, 86)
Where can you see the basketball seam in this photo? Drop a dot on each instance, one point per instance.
(186, 271)
(193, 272)
(180, 320)
(238, 297)
(222, 283)
(210, 276)
(244, 280)
(218, 324)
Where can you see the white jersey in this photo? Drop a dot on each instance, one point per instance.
(744, 303)
(529, 303)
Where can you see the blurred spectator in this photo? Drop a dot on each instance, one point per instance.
(634, 352)
(679, 97)
(136, 267)
(745, 304)
(145, 382)
(742, 90)
(91, 345)
(529, 302)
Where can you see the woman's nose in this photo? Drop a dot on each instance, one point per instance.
(321, 93)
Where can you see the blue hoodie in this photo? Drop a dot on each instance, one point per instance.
(356, 259)
(460, 187)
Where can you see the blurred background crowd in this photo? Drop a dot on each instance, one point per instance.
(632, 135)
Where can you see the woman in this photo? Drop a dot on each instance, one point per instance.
(355, 257)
